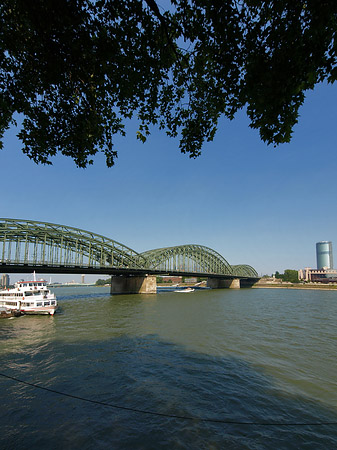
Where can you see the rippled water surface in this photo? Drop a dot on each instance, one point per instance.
(250, 355)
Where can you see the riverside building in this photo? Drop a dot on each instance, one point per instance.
(5, 280)
(324, 255)
(325, 273)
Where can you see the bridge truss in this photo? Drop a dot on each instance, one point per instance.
(48, 248)
(27, 242)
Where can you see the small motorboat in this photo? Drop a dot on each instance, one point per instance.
(185, 290)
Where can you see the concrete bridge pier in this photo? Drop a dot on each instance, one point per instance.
(248, 282)
(124, 284)
(220, 283)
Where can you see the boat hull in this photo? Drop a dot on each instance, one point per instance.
(45, 311)
(184, 291)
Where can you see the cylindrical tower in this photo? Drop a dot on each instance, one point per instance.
(324, 255)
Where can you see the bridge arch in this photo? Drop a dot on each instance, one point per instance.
(35, 245)
(244, 270)
(189, 258)
(29, 242)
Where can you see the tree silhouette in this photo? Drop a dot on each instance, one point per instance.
(76, 70)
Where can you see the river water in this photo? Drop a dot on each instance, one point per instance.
(265, 356)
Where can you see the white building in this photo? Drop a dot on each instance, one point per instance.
(323, 275)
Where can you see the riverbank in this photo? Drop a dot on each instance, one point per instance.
(261, 285)
(315, 286)
(7, 313)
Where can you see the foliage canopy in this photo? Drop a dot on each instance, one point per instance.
(289, 275)
(76, 70)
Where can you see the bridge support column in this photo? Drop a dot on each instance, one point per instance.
(133, 284)
(218, 283)
(248, 283)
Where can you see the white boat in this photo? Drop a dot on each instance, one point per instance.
(185, 290)
(29, 297)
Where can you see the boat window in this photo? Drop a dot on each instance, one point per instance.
(39, 304)
(28, 293)
(52, 302)
(46, 303)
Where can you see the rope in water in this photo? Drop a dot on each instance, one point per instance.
(172, 416)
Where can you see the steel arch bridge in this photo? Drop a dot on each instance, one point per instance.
(27, 245)
(188, 258)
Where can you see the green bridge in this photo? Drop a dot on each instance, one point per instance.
(27, 246)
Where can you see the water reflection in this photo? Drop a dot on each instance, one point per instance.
(26, 331)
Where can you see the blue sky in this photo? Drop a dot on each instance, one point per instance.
(252, 203)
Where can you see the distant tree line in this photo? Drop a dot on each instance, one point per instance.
(101, 282)
(288, 275)
(183, 279)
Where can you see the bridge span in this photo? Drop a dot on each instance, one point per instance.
(27, 246)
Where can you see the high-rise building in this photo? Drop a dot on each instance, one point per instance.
(5, 280)
(324, 255)
(325, 273)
